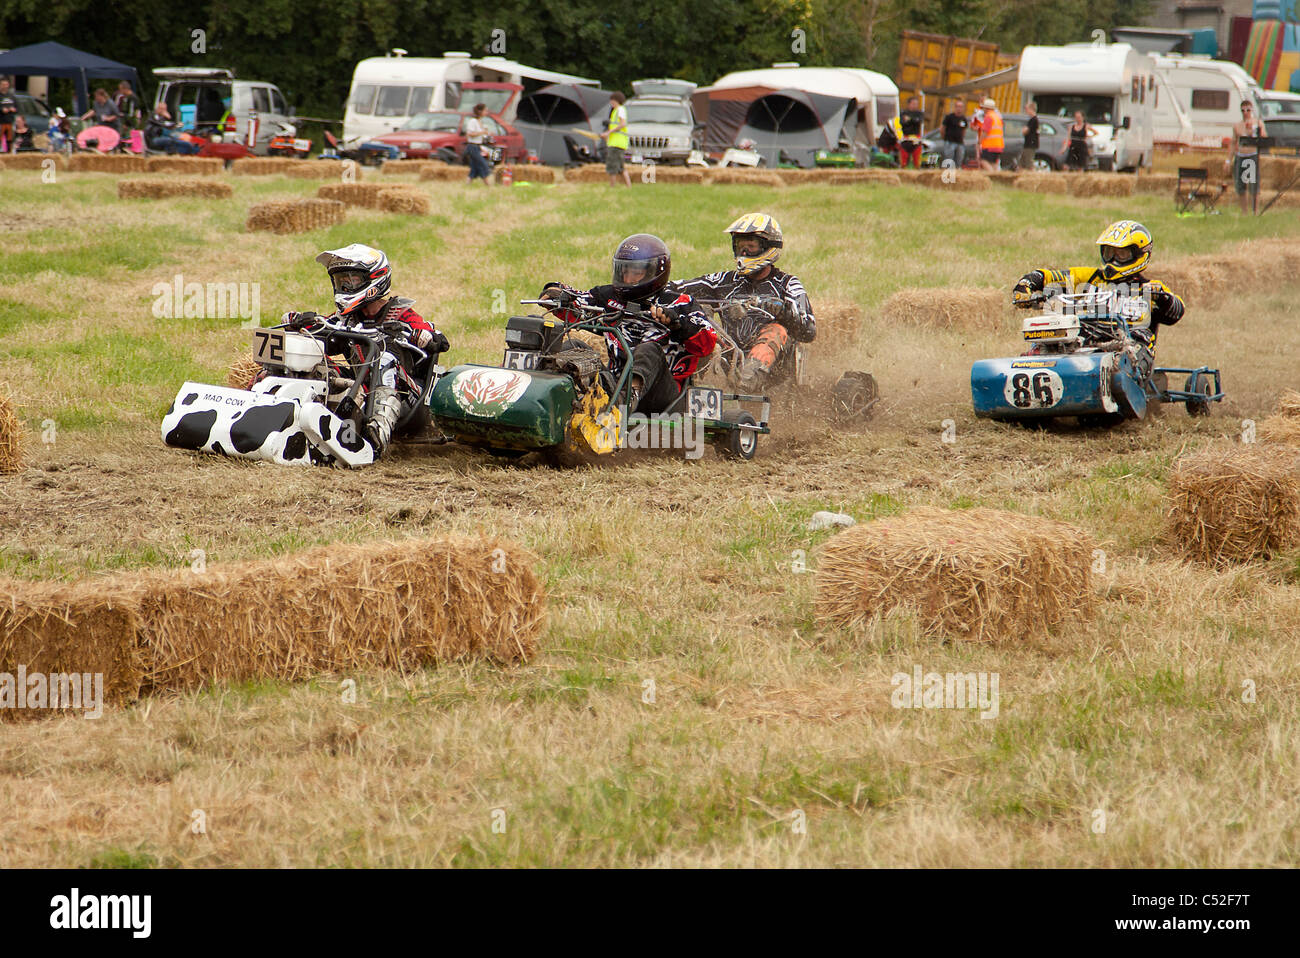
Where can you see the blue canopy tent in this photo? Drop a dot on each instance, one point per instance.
(51, 59)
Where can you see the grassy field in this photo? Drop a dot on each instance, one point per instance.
(766, 740)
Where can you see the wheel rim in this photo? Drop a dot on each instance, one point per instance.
(748, 441)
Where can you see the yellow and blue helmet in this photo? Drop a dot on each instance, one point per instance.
(1125, 249)
(768, 230)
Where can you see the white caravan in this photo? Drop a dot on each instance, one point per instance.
(1207, 94)
(387, 91)
(1112, 84)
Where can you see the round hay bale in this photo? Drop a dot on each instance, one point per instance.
(242, 371)
(410, 202)
(11, 438)
(165, 188)
(1236, 504)
(188, 165)
(1102, 184)
(950, 307)
(292, 216)
(1042, 183)
(444, 172)
(978, 574)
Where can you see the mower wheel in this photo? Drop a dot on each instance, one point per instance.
(1199, 407)
(738, 443)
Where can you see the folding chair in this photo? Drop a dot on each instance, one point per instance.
(1194, 189)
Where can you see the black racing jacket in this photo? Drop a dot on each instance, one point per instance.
(730, 286)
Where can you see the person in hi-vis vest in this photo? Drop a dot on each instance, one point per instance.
(616, 140)
(988, 123)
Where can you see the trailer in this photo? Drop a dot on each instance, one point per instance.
(1207, 93)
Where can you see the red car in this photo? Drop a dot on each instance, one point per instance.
(427, 133)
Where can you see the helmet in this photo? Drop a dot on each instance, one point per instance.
(1125, 249)
(358, 273)
(767, 230)
(641, 266)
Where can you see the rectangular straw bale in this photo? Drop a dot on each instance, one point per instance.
(1042, 182)
(965, 181)
(878, 177)
(173, 186)
(743, 176)
(1101, 184)
(353, 194)
(34, 161)
(11, 438)
(106, 163)
(315, 170)
(977, 574)
(407, 200)
(446, 172)
(294, 216)
(187, 165)
(527, 173)
(339, 608)
(400, 167)
(838, 324)
(1163, 184)
(1235, 503)
(662, 173)
(1275, 172)
(59, 628)
(262, 166)
(959, 307)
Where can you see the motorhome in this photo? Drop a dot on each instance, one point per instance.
(1112, 84)
(387, 91)
(1208, 93)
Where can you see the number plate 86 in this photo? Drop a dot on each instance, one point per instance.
(1037, 389)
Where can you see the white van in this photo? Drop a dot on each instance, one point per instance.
(1112, 84)
(387, 91)
(1209, 93)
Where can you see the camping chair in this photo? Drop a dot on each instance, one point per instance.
(1194, 189)
(580, 154)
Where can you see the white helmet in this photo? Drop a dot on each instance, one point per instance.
(358, 274)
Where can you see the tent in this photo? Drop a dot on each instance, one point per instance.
(798, 124)
(51, 59)
(547, 115)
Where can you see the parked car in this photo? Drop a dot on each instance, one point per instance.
(661, 128)
(1052, 134)
(1285, 131)
(1278, 103)
(209, 101)
(34, 110)
(425, 134)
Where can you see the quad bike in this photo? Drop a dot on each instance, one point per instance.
(738, 321)
(309, 401)
(1090, 356)
(553, 394)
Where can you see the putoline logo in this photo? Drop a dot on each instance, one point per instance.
(487, 392)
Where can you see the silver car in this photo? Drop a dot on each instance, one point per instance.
(211, 101)
(661, 128)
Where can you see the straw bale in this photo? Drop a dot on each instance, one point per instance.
(1278, 171)
(34, 161)
(11, 438)
(1235, 504)
(106, 163)
(294, 216)
(870, 176)
(1288, 405)
(1287, 201)
(354, 194)
(527, 173)
(409, 201)
(314, 170)
(338, 608)
(172, 186)
(1160, 183)
(961, 180)
(979, 574)
(189, 165)
(399, 167)
(241, 371)
(1004, 177)
(262, 166)
(1283, 427)
(744, 176)
(952, 307)
(1101, 184)
(1042, 183)
(445, 172)
(838, 324)
(59, 628)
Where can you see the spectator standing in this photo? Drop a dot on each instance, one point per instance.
(127, 106)
(912, 125)
(1075, 149)
(1245, 159)
(954, 135)
(616, 140)
(103, 112)
(1030, 149)
(988, 122)
(476, 137)
(8, 111)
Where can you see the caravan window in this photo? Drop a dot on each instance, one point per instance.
(392, 100)
(363, 98)
(1096, 109)
(421, 99)
(1210, 100)
(452, 96)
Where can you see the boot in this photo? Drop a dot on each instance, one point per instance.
(634, 394)
(386, 409)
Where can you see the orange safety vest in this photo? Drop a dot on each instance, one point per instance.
(991, 131)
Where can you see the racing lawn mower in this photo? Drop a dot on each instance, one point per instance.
(311, 398)
(552, 394)
(1090, 356)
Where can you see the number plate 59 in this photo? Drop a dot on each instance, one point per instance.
(704, 403)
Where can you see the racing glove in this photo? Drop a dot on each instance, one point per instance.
(423, 337)
(558, 294)
(299, 320)
(1027, 290)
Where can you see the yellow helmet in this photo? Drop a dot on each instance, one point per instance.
(1125, 249)
(767, 230)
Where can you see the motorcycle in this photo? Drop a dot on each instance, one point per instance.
(1090, 356)
(311, 396)
(553, 394)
